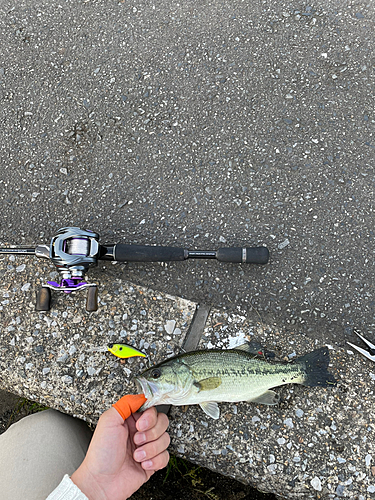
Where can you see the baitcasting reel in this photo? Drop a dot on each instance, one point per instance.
(74, 251)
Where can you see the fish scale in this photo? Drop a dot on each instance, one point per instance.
(251, 377)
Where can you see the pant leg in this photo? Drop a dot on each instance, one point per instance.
(37, 451)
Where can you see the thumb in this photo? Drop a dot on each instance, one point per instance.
(129, 404)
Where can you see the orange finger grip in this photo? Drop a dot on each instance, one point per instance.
(129, 404)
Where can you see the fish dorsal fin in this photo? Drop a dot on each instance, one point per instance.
(253, 347)
(211, 409)
(267, 398)
(207, 384)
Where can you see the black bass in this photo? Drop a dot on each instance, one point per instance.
(212, 376)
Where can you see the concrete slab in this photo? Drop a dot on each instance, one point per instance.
(316, 443)
(46, 355)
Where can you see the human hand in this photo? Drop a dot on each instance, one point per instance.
(123, 454)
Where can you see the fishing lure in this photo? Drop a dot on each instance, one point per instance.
(122, 351)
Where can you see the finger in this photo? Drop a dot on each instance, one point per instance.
(147, 420)
(152, 449)
(129, 404)
(155, 432)
(157, 463)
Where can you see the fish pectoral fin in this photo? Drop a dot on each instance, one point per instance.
(208, 384)
(211, 409)
(267, 398)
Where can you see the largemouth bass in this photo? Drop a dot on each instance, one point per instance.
(211, 376)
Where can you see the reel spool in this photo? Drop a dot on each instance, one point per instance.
(73, 251)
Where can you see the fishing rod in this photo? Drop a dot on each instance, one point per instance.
(74, 251)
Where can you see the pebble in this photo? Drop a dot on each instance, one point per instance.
(67, 379)
(368, 460)
(72, 350)
(25, 287)
(340, 490)
(63, 358)
(169, 326)
(299, 413)
(316, 484)
(289, 423)
(20, 268)
(284, 244)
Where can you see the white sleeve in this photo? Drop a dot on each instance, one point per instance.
(67, 490)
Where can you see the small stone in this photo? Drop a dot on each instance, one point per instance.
(299, 413)
(368, 460)
(255, 419)
(46, 370)
(316, 484)
(340, 490)
(20, 268)
(371, 489)
(67, 379)
(281, 441)
(91, 370)
(25, 287)
(63, 358)
(284, 244)
(289, 423)
(72, 350)
(169, 326)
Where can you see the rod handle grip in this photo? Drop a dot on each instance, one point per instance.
(255, 255)
(147, 253)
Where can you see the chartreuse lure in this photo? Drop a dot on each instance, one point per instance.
(124, 351)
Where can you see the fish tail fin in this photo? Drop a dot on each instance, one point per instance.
(315, 365)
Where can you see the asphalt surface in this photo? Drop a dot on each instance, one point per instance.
(201, 125)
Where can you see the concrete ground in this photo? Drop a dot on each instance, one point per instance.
(202, 125)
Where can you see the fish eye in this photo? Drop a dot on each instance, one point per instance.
(155, 373)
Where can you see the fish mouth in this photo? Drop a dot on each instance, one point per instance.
(149, 389)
